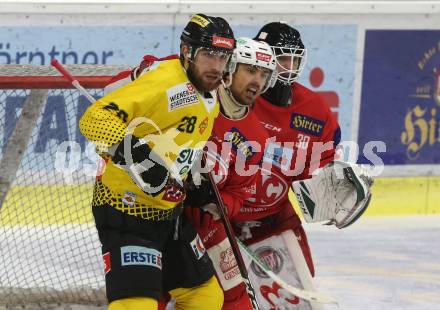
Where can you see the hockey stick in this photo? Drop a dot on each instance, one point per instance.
(303, 294)
(131, 168)
(72, 80)
(234, 245)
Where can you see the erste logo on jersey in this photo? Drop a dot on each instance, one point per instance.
(181, 95)
(307, 124)
(133, 255)
(239, 143)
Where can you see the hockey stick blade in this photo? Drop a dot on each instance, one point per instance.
(303, 294)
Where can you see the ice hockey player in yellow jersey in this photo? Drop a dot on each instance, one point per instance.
(149, 132)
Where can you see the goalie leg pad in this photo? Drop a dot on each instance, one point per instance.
(285, 257)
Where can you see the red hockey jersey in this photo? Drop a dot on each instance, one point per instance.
(239, 153)
(303, 137)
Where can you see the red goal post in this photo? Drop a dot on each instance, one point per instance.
(49, 251)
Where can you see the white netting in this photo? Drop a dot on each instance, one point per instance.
(49, 249)
(75, 70)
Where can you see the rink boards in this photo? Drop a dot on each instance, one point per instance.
(44, 204)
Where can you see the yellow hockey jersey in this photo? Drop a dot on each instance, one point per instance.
(164, 109)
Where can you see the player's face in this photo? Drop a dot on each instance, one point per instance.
(208, 68)
(287, 63)
(248, 82)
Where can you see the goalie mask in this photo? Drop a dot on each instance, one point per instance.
(288, 48)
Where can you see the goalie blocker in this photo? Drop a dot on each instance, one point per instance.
(338, 193)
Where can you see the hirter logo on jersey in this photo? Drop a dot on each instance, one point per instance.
(307, 124)
(222, 42)
(263, 56)
(239, 143)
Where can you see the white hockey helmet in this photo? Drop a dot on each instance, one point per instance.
(255, 53)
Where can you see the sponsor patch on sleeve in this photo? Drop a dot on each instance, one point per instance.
(133, 255)
(307, 124)
(181, 95)
(107, 262)
(198, 247)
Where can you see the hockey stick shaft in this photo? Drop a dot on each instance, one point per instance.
(303, 294)
(234, 245)
(72, 80)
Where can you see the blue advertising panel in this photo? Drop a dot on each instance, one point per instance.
(329, 71)
(400, 101)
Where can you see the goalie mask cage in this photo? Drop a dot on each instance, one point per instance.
(49, 249)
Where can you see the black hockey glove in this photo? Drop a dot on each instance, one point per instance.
(200, 195)
(145, 167)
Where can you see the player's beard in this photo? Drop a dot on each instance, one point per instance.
(198, 81)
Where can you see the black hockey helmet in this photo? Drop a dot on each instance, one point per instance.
(279, 34)
(284, 40)
(209, 32)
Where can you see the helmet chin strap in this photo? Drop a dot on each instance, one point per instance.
(230, 106)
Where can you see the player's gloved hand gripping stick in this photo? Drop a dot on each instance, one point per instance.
(132, 154)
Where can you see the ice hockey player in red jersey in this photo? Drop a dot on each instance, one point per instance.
(304, 135)
(240, 139)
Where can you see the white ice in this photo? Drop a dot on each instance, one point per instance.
(377, 263)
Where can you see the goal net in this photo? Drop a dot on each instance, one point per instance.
(49, 249)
